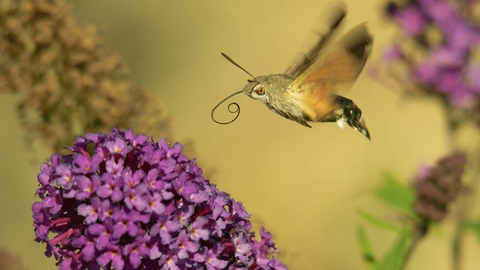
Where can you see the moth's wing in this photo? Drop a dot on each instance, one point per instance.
(336, 68)
(331, 21)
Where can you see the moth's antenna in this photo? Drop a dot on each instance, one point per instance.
(236, 110)
(233, 62)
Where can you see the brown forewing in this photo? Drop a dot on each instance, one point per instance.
(331, 21)
(337, 68)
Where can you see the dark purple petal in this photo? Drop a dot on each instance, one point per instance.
(82, 164)
(117, 147)
(473, 77)
(135, 140)
(198, 232)
(87, 186)
(155, 205)
(65, 175)
(426, 73)
(115, 167)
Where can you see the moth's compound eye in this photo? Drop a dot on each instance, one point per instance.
(259, 90)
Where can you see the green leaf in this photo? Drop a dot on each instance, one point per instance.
(395, 257)
(395, 194)
(365, 249)
(377, 221)
(475, 227)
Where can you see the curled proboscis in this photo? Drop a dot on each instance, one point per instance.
(233, 107)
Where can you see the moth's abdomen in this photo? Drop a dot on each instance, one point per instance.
(316, 104)
(347, 112)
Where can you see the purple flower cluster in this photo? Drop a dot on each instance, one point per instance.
(436, 187)
(435, 52)
(122, 201)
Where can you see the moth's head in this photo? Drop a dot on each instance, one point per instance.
(264, 87)
(256, 89)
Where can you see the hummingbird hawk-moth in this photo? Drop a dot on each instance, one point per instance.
(306, 92)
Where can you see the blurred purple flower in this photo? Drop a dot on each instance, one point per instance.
(412, 20)
(473, 77)
(437, 44)
(436, 187)
(393, 53)
(121, 201)
(426, 73)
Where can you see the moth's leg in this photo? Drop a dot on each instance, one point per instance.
(301, 121)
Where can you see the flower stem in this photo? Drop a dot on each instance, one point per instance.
(458, 238)
(462, 217)
(419, 230)
(452, 128)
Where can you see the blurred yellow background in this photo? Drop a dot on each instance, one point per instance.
(304, 185)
